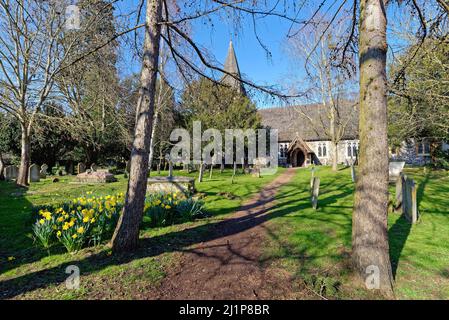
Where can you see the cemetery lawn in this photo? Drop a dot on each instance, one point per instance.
(314, 246)
(310, 246)
(29, 272)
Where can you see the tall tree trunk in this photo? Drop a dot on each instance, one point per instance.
(370, 249)
(335, 155)
(153, 135)
(22, 178)
(2, 167)
(126, 234)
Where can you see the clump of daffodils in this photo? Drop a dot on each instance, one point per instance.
(90, 220)
(164, 209)
(81, 221)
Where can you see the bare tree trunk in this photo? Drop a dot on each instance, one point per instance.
(126, 234)
(22, 178)
(370, 249)
(153, 135)
(335, 155)
(2, 167)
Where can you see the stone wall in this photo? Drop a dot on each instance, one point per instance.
(342, 150)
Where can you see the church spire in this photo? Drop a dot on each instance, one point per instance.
(231, 66)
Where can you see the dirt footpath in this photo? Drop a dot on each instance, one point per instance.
(228, 267)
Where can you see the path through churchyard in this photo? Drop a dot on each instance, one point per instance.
(228, 266)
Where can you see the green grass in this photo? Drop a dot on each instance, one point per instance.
(306, 242)
(36, 273)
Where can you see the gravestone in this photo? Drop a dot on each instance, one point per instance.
(353, 176)
(69, 168)
(81, 168)
(394, 170)
(315, 192)
(7, 173)
(43, 172)
(93, 167)
(233, 173)
(200, 175)
(33, 173)
(221, 167)
(158, 168)
(170, 168)
(211, 171)
(399, 189)
(409, 200)
(255, 172)
(311, 178)
(11, 173)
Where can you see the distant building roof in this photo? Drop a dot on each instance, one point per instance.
(296, 121)
(231, 66)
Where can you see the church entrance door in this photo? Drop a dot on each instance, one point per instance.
(298, 158)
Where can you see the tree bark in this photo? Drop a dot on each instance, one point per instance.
(335, 156)
(2, 167)
(369, 232)
(126, 234)
(22, 178)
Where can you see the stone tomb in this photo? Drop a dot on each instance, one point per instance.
(174, 184)
(95, 177)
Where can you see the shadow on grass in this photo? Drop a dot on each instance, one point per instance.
(397, 235)
(256, 214)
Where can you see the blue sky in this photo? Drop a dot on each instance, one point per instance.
(253, 61)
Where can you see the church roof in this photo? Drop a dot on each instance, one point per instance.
(296, 121)
(231, 66)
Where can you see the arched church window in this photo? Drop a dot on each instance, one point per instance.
(324, 150)
(320, 152)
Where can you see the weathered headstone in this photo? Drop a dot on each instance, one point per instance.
(311, 178)
(395, 169)
(353, 176)
(211, 171)
(201, 172)
(399, 190)
(233, 172)
(69, 168)
(170, 168)
(43, 171)
(315, 192)
(33, 173)
(9, 173)
(221, 167)
(81, 168)
(409, 200)
(93, 167)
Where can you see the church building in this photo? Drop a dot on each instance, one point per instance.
(303, 131)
